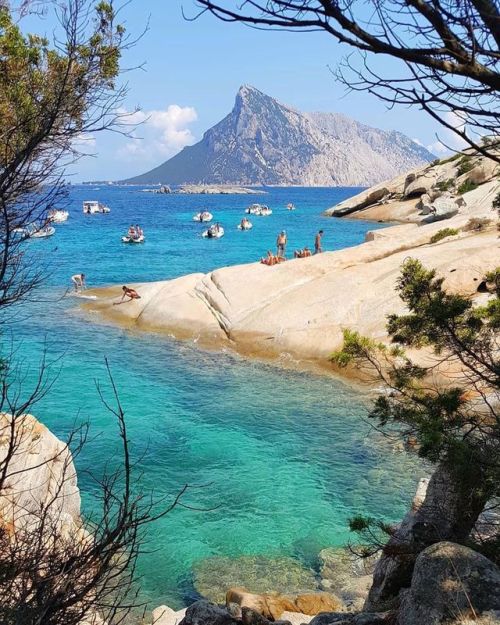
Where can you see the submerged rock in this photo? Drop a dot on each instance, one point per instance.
(347, 575)
(207, 613)
(273, 605)
(260, 574)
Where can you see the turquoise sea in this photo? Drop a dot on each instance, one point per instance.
(285, 458)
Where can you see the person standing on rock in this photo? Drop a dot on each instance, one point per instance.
(317, 243)
(281, 242)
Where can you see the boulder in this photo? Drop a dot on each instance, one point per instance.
(353, 618)
(163, 615)
(450, 582)
(483, 172)
(205, 613)
(272, 606)
(297, 618)
(418, 185)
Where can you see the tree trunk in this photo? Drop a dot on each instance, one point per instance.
(445, 508)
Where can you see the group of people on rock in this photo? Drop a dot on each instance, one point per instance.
(281, 243)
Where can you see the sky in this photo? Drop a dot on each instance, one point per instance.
(187, 74)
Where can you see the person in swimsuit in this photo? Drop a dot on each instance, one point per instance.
(79, 281)
(281, 242)
(128, 292)
(317, 243)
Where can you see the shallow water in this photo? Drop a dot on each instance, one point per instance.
(284, 458)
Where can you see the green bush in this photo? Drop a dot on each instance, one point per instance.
(435, 162)
(465, 165)
(496, 201)
(451, 158)
(443, 233)
(445, 185)
(467, 186)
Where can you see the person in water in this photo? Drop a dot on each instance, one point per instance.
(138, 231)
(281, 242)
(128, 292)
(317, 243)
(131, 232)
(79, 281)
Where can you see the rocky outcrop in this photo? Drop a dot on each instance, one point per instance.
(300, 308)
(264, 142)
(424, 191)
(450, 584)
(40, 476)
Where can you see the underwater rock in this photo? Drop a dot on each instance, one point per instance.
(213, 576)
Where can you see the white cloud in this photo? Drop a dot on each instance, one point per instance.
(158, 133)
(447, 139)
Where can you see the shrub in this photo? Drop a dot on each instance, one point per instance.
(445, 185)
(476, 224)
(467, 186)
(451, 158)
(443, 233)
(435, 162)
(496, 201)
(465, 164)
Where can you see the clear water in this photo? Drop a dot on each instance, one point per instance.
(286, 458)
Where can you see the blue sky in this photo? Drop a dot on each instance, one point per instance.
(192, 71)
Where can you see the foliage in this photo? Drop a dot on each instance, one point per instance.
(445, 185)
(465, 164)
(50, 96)
(443, 233)
(467, 186)
(455, 422)
(496, 201)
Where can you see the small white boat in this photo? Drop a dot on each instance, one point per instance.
(214, 232)
(92, 207)
(247, 225)
(254, 209)
(58, 216)
(202, 217)
(290, 207)
(127, 239)
(41, 233)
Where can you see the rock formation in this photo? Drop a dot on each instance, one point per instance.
(438, 189)
(263, 142)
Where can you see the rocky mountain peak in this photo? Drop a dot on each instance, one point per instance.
(262, 141)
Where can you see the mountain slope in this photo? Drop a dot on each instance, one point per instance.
(263, 142)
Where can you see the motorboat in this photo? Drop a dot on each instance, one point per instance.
(245, 225)
(259, 209)
(129, 239)
(92, 207)
(214, 232)
(58, 216)
(290, 207)
(40, 233)
(204, 216)
(254, 209)
(265, 211)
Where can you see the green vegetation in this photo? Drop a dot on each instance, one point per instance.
(445, 185)
(435, 162)
(496, 201)
(443, 233)
(451, 158)
(467, 186)
(455, 425)
(465, 165)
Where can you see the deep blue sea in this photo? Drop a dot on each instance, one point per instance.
(285, 458)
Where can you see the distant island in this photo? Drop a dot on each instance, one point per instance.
(263, 142)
